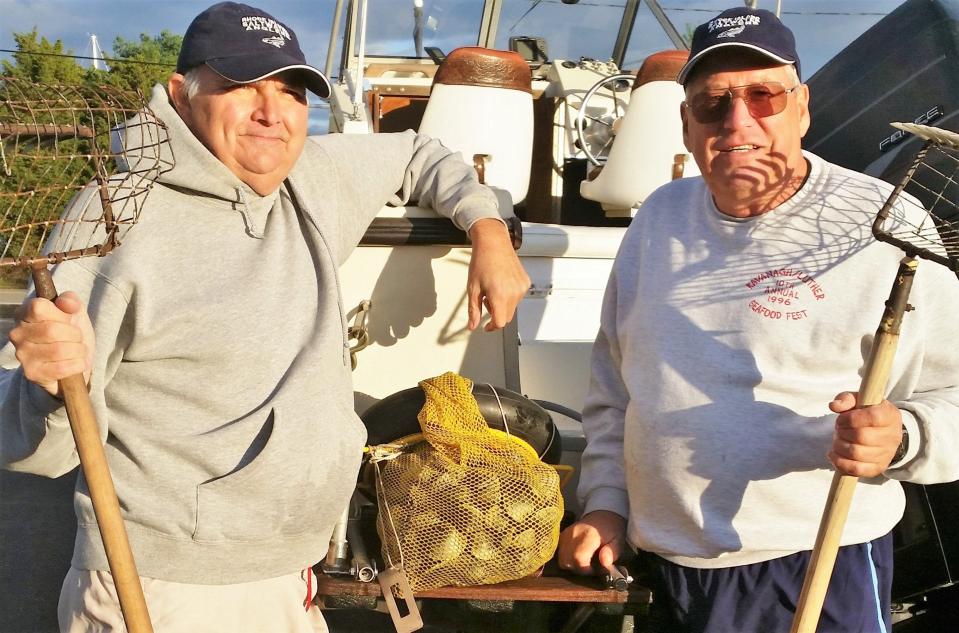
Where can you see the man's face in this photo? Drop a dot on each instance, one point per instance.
(750, 164)
(257, 130)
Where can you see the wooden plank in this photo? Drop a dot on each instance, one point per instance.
(543, 589)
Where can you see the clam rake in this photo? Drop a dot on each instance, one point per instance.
(100, 148)
(933, 178)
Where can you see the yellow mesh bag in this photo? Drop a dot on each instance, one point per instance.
(469, 505)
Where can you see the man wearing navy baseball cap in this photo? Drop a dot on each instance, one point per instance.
(735, 313)
(221, 371)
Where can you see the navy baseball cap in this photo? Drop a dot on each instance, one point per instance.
(754, 29)
(245, 44)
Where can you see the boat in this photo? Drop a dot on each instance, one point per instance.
(910, 78)
(567, 241)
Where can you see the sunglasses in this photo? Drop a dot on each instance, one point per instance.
(762, 100)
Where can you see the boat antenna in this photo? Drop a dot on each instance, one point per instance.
(418, 27)
(754, 4)
(96, 53)
(528, 11)
(331, 48)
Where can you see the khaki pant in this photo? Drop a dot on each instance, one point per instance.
(88, 604)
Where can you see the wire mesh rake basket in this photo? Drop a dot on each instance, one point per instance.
(58, 142)
(932, 178)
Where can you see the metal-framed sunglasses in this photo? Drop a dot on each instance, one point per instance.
(762, 100)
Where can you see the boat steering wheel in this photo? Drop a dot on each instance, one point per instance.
(595, 134)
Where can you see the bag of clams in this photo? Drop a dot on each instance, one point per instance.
(468, 505)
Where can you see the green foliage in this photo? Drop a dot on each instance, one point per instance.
(41, 181)
(159, 53)
(135, 65)
(38, 61)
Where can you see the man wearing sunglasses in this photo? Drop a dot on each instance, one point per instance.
(740, 304)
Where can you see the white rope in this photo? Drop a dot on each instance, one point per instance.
(502, 412)
(381, 495)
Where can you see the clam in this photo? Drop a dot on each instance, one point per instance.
(446, 543)
(519, 508)
(481, 547)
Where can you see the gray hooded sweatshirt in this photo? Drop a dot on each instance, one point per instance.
(221, 377)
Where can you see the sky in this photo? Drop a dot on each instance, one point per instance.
(821, 26)
(72, 21)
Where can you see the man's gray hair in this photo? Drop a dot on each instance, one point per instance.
(791, 71)
(191, 83)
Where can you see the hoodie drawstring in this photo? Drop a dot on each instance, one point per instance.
(251, 228)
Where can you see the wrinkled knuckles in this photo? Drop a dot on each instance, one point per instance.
(848, 450)
(57, 370)
(857, 469)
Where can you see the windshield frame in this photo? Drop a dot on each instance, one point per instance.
(486, 34)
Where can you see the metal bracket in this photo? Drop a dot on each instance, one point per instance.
(539, 292)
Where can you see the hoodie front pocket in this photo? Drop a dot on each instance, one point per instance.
(292, 486)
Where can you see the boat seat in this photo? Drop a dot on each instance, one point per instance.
(648, 150)
(481, 105)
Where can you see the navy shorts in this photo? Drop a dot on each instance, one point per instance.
(762, 597)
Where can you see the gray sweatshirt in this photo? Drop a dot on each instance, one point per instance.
(723, 341)
(221, 379)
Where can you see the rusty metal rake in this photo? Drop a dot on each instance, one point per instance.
(101, 148)
(933, 178)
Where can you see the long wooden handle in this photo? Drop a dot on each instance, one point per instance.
(824, 553)
(96, 471)
(871, 390)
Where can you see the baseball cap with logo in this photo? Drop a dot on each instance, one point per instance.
(245, 44)
(755, 29)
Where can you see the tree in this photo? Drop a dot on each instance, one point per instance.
(42, 62)
(140, 65)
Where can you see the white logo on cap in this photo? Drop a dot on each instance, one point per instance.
(741, 21)
(732, 32)
(260, 23)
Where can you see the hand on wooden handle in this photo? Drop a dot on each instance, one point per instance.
(866, 439)
(53, 340)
